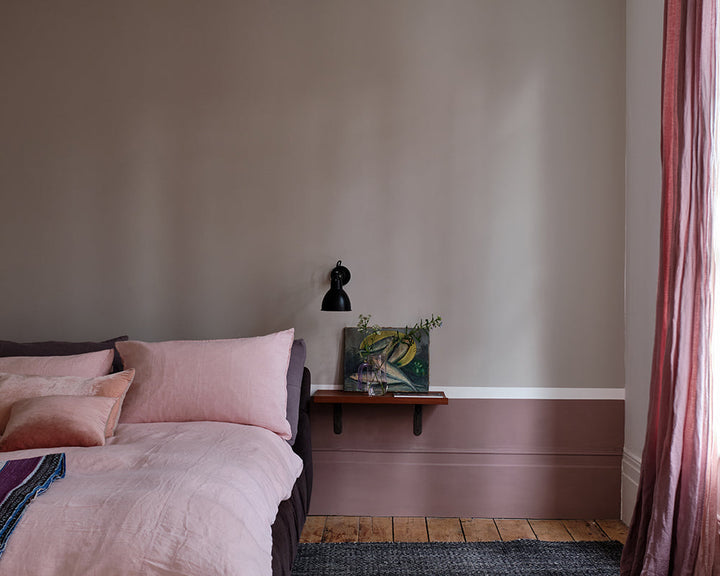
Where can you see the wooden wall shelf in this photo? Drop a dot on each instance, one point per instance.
(339, 397)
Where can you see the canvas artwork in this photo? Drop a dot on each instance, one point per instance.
(408, 362)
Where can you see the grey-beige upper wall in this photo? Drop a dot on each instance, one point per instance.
(182, 169)
(643, 202)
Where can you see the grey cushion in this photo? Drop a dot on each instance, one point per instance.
(59, 348)
(298, 354)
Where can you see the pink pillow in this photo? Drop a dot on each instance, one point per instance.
(242, 381)
(14, 387)
(52, 421)
(86, 365)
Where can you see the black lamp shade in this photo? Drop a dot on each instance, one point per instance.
(336, 299)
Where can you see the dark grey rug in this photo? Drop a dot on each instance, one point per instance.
(521, 557)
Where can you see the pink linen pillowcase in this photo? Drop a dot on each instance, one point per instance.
(14, 387)
(87, 365)
(53, 421)
(240, 380)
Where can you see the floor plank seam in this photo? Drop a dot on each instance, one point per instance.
(462, 530)
(532, 530)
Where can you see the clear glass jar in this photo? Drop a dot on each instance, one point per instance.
(372, 374)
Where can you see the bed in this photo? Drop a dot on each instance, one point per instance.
(168, 489)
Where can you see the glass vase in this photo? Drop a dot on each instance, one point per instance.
(372, 374)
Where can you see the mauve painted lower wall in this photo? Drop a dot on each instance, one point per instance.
(476, 457)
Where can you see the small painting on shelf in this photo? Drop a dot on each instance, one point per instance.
(406, 360)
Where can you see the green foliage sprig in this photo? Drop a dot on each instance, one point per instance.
(410, 333)
(423, 326)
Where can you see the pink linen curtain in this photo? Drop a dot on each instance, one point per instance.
(674, 526)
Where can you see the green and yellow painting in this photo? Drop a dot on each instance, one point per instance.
(408, 360)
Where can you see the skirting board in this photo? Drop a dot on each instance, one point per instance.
(507, 458)
(630, 483)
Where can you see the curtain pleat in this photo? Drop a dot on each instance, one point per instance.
(674, 526)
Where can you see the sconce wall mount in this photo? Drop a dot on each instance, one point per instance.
(336, 299)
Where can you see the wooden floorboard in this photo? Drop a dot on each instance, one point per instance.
(341, 529)
(550, 530)
(615, 529)
(419, 529)
(445, 530)
(375, 529)
(410, 529)
(514, 529)
(480, 530)
(585, 530)
(313, 531)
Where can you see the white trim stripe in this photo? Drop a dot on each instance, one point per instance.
(480, 392)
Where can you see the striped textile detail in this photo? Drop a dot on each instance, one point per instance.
(20, 482)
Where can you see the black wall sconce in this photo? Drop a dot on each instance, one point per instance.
(336, 299)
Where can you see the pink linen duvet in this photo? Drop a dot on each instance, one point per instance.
(170, 499)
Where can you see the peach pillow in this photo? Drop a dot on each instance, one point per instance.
(53, 421)
(14, 387)
(86, 365)
(240, 380)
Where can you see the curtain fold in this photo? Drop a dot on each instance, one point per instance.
(674, 526)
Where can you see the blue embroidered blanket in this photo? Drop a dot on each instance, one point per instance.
(20, 482)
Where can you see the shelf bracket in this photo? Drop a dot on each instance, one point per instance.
(417, 420)
(337, 418)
